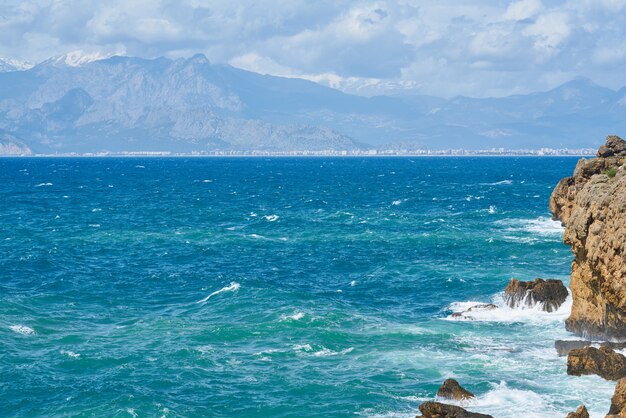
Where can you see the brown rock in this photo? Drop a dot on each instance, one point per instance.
(563, 347)
(550, 293)
(604, 362)
(440, 410)
(592, 207)
(581, 412)
(618, 401)
(452, 390)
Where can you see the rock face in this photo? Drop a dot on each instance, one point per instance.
(440, 410)
(592, 206)
(581, 412)
(550, 293)
(452, 390)
(604, 362)
(618, 401)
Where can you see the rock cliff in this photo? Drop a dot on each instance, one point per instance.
(592, 206)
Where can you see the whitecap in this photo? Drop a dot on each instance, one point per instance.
(233, 287)
(22, 329)
(271, 218)
(295, 317)
(498, 183)
(542, 226)
(492, 209)
(353, 283)
(43, 185)
(140, 166)
(70, 354)
(396, 202)
(96, 210)
(506, 314)
(207, 181)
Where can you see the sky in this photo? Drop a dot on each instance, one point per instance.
(442, 48)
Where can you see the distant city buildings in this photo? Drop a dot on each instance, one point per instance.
(347, 153)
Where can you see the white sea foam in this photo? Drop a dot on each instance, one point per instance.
(542, 226)
(233, 287)
(353, 283)
(22, 329)
(504, 401)
(271, 218)
(498, 183)
(503, 313)
(140, 166)
(207, 181)
(43, 185)
(320, 351)
(396, 202)
(295, 317)
(492, 209)
(70, 354)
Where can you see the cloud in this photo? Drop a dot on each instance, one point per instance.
(468, 47)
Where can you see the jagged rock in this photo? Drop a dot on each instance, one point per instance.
(592, 206)
(452, 390)
(581, 412)
(551, 293)
(483, 307)
(604, 362)
(614, 146)
(618, 401)
(563, 347)
(440, 410)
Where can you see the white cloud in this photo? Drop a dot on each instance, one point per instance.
(469, 47)
(523, 9)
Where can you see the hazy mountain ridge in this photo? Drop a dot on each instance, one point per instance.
(86, 104)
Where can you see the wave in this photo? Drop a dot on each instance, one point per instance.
(499, 311)
(22, 329)
(271, 218)
(70, 354)
(233, 287)
(43, 185)
(295, 317)
(319, 351)
(504, 401)
(541, 226)
(498, 183)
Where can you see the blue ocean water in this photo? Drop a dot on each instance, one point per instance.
(282, 287)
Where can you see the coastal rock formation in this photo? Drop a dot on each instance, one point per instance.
(452, 390)
(550, 293)
(440, 410)
(581, 412)
(563, 347)
(618, 401)
(592, 206)
(604, 362)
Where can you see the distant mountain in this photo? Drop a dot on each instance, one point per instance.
(83, 103)
(7, 65)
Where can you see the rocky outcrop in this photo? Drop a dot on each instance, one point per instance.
(563, 347)
(581, 412)
(440, 410)
(452, 390)
(604, 362)
(618, 401)
(592, 206)
(550, 293)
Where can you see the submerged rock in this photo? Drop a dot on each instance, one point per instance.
(581, 412)
(604, 362)
(452, 390)
(618, 401)
(440, 410)
(550, 293)
(592, 206)
(563, 347)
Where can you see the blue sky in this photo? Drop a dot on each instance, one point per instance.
(438, 47)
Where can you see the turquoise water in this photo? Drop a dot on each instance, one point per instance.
(278, 287)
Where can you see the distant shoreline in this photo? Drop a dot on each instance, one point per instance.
(296, 155)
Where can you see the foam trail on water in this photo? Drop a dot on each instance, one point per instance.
(233, 287)
(503, 313)
(22, 329)
(498, 183)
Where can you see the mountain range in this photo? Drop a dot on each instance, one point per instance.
(77, 103)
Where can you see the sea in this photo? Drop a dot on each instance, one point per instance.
(279, 287)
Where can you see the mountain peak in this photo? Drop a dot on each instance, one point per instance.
(77, 58)
(10, 64)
